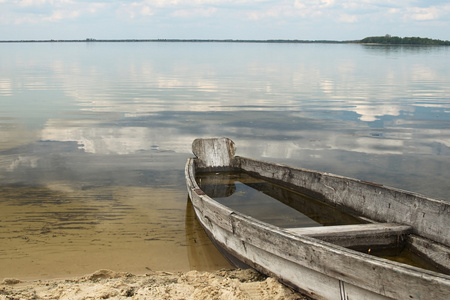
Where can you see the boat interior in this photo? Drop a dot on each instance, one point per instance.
(300, 214)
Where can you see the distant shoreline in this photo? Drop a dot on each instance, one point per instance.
(384, 40)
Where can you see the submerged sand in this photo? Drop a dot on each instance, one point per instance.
(107, 284)
(58, 232)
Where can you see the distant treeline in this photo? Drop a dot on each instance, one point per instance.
(395, 40)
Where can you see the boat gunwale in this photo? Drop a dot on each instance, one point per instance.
(237, 166)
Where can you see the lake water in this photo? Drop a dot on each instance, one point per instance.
(94, 138)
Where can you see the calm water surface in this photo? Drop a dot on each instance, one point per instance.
(94, 138)
(270, 202)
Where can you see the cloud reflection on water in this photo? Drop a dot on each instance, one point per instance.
(277, 101)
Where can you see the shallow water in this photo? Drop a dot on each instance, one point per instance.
(94, 137)
(60, 233)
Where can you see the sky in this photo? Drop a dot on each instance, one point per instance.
(223, 19)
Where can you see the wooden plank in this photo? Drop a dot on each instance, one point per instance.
(373, 236)
(437, 253)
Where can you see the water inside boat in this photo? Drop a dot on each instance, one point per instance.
(407, 256)
(286, 208)
(269, 202)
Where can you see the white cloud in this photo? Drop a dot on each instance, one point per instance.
(62, 14)
(270, 13)
(196, 12)
(345, 18)
(423, 14)
(233, 18)
(75, 12)
(32, 2)
(426, 12)
(42, 11)
(313, 3)
(42, 2)
(135, 9)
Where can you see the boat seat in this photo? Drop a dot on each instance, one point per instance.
(361, 236)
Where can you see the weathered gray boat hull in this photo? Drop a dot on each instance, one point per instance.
(308, 281)
(319, 269)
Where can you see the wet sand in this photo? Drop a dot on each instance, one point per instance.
(106, 284)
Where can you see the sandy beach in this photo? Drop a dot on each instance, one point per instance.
(107, 284)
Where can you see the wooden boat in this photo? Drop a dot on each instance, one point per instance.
(321, 261)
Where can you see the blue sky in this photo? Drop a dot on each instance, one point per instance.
(223, 19)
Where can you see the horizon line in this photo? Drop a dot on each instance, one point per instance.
(384, 40)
